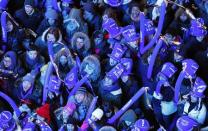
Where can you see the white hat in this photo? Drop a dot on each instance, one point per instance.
(98, 113)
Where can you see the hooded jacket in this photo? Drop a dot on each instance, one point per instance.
(15, 66)
(29, 21)
(91, 59)
(32, 64)
(85, 50)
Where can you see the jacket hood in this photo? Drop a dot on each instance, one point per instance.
(87, 44)
(92, 59)
(66, 52)
(13, 56)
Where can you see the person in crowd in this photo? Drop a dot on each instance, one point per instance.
(80, 44)
(29, 16)
(52, 35)
(82, 99)
(70, 65)
(74, 23)
(32, 60)
(51, 19)
(11, 69)
(91, 17)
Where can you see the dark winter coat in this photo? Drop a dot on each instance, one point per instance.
(9, 78)
(32, 64)
(33, 96)
(27, 21)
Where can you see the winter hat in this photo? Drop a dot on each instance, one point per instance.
(107, 128)
(44, 111)
(89, 7)
(198, 28)
(3, 4)
(118, 52)
(30, 126)
(115, 73)
(129, 33)
(142, 125)
(81, 90)
(29, 2)
(71, 78)
(199, 87)
(70, 106)
(128, 64)
(185, 123)
(98, 113)
(113, 3)
(51, 14)
(111, 27)
(29, 77)
(7, 122)
(54, 84)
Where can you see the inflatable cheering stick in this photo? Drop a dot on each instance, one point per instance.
(189, 71)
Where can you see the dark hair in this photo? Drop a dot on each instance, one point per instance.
(167, 93)
(133, 5)
(54, 31)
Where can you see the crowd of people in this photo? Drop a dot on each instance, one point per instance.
(103, 65)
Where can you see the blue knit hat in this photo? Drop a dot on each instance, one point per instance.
(29, 2)
(51, 14)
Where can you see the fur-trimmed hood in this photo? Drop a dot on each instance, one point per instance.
(13, 56)
(87, 44)
(92, 59)
(66, 52)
